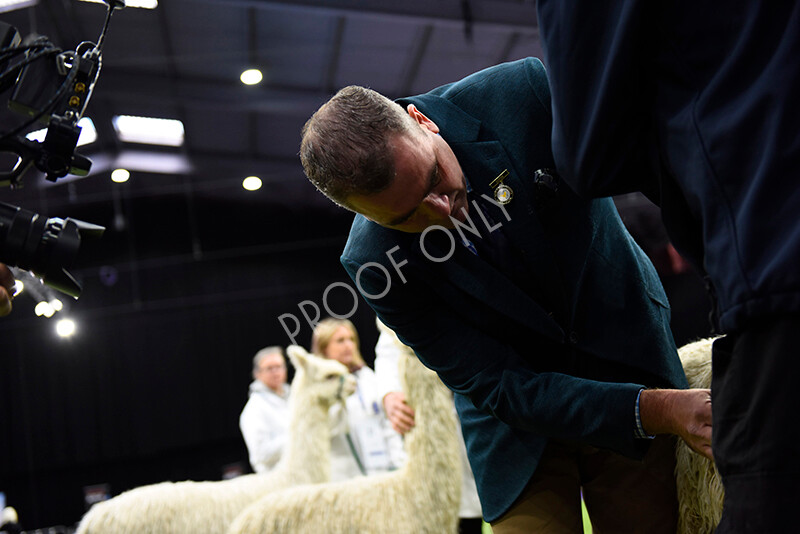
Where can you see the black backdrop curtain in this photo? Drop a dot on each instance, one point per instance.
(149, 389)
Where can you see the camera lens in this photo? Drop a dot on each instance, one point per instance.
(46, 247)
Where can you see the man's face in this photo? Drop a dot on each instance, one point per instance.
(272, 371)
(428, 188)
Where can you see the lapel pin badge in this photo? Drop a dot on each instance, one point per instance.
(502, 192)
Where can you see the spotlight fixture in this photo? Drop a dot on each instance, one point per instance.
(65, 328)
(44, 308)
(148, 130)
(252, 183)
(10, 5)
(251, 77)
(120, 176)
(146, 4)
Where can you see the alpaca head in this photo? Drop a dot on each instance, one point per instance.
(323, 381)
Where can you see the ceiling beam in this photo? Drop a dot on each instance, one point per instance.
(412, 68)
(118, 83)
(329, 82)
(507, 13)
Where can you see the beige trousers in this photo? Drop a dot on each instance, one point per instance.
(623, 496)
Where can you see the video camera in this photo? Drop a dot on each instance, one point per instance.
(51, 86)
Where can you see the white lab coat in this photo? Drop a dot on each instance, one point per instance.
(362, 440)
(264, 423)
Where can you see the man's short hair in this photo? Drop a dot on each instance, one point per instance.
(345, 147)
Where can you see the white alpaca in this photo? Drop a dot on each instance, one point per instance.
(700, 492)
(209, 507)
(422, 497)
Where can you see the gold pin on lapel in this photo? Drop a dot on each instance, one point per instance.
(502, 192)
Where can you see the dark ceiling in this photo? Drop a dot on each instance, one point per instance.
(183, 61)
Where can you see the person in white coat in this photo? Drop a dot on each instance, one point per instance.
(401, 417)
(362, 440)
(264, 421)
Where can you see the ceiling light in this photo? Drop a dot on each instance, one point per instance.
(44, 308)
(88, 133)
(252, 183)
(120, 175)
(65, 327)
(251, 77)
(10, 5)
(147, 4)
(148, 130)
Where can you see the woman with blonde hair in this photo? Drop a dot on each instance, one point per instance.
(337, 339)
(362, 440)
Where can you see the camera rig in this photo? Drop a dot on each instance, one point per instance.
(50, 86)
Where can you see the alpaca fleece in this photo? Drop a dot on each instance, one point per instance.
(700, 492)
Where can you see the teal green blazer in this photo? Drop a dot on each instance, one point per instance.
(521, 376)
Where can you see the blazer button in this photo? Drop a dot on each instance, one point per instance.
(573, 338)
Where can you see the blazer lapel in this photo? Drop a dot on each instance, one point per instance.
(482, 162)
(471, 275)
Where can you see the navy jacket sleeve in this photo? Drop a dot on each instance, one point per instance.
(598, 65)
(495, 377)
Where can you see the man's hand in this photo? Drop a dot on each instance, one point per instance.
(400, 414)
(683, 412)
(6, 289)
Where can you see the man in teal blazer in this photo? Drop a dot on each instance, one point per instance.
(535, 307)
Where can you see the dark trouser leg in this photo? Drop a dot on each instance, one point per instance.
(756, 437)
(625, 496)
(470, 525)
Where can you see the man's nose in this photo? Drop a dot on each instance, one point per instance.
(438, 204)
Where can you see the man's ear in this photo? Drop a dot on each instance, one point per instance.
(421, 119)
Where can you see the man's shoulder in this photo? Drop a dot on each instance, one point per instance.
(512, 76)
(498, 97)
(368, 241)
(265, 398)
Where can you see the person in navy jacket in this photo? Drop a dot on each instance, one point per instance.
(534, 306)
(696, 105)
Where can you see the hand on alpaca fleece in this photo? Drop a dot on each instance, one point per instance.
(683, 412)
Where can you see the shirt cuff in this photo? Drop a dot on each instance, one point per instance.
(639, 432)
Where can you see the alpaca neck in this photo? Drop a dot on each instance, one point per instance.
(308, 445)
(432, 446)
